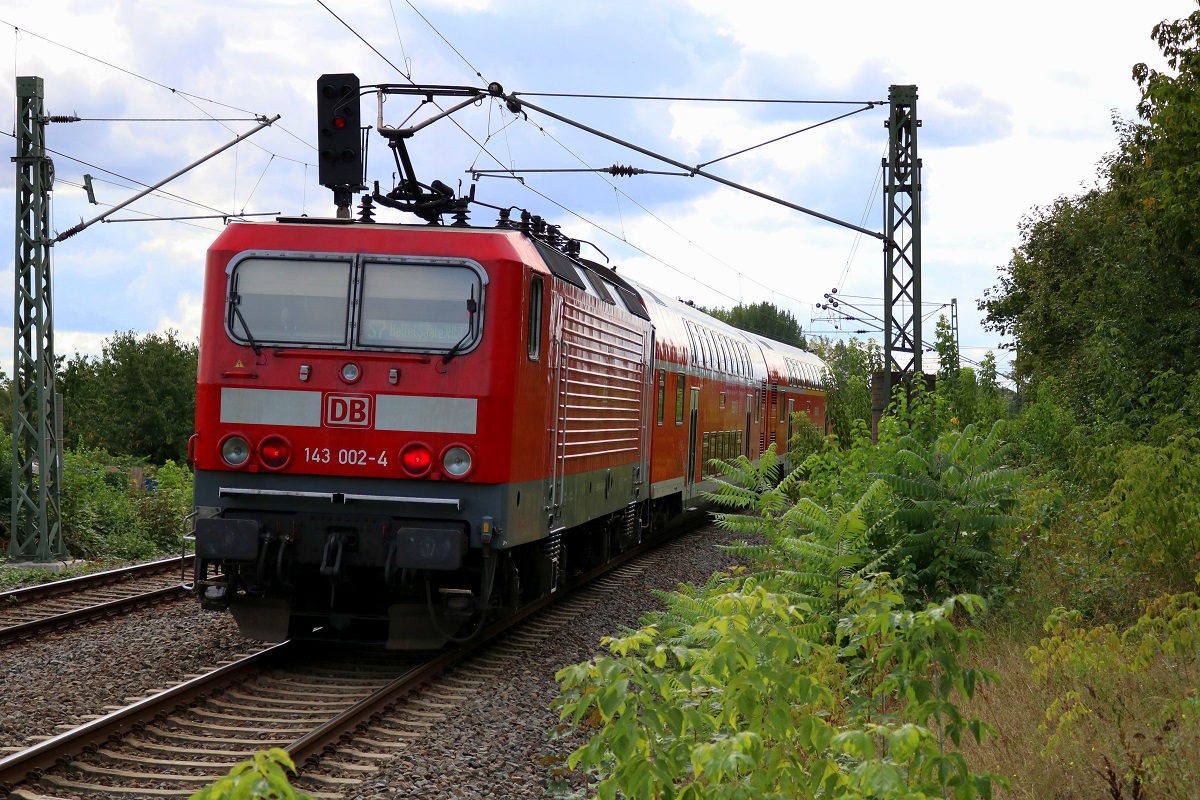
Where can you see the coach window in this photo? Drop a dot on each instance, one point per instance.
(679, 398)
(535, 318)
(424, 307)
(662, 393)
(782, 410)
(757, 403)
(710, 350)
(288, 301)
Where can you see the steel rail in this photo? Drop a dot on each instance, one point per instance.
(323, 740)
(33, 626)
(31, 763)
(95, 580)
(63, 748)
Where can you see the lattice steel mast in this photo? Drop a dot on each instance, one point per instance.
(35, 530)
(902, 248)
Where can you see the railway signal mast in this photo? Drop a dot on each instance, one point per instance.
(902, 341)
(35, 529)
(36, 522)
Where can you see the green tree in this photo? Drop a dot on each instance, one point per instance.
(1103, 292)
(955, 495)
(848, 368)
(138, 398)
(765, 319)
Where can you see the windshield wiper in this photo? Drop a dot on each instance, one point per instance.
(235, 300)
(472, 307)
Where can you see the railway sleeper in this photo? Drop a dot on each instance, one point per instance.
(69, 785)
(172, 736)
(250, 729)
(115, 757)
(386, 744)
(205, 713)
(210, 773)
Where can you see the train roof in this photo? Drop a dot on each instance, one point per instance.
(779, 359)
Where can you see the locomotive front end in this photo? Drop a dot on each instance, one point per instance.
(347, 476)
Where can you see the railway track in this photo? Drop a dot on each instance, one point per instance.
(338, 717)
(61, 604)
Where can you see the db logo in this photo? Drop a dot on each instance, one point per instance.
(348, 410)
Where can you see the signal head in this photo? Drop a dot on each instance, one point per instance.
(339, 133)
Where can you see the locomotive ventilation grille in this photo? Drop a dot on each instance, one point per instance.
(601, 391)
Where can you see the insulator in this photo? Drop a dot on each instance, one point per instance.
(538, 224)
(619, 171)
(525, 218)
(462, 210)
(366, 209)
(62, 118)
(572, 248)
(504, 221)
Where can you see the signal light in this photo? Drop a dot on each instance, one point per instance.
(417, 460)
(339, 138)
(275, 452)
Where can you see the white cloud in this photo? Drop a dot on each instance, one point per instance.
(1015, 98)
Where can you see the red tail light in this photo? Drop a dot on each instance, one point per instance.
(417, 459)
(275, 452)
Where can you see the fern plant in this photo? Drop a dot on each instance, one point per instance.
(802, 548)
(955, 495)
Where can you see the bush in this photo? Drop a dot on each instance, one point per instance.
(98, 519)
(1124, 703)
(105, 516)
(162, 503)
(1154, 507)
(730, 695)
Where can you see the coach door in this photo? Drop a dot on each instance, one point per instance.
(791, 410)
(693, 433)
(749, 411)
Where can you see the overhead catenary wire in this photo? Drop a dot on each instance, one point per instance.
(668, 226)
(670, 98)
(510, 171)
(157, 192)
(187, 97)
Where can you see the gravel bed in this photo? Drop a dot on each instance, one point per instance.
(494, 745)
(61, 678)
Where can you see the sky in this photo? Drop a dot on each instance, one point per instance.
(1016, 102)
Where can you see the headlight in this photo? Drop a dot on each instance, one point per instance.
(457, 461)
(351, 372)
(235, 450)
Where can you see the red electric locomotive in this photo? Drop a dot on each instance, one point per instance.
(401, 429)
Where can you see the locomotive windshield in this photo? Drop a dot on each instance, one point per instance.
(416, 306)
(405, 305)
(282, 301)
